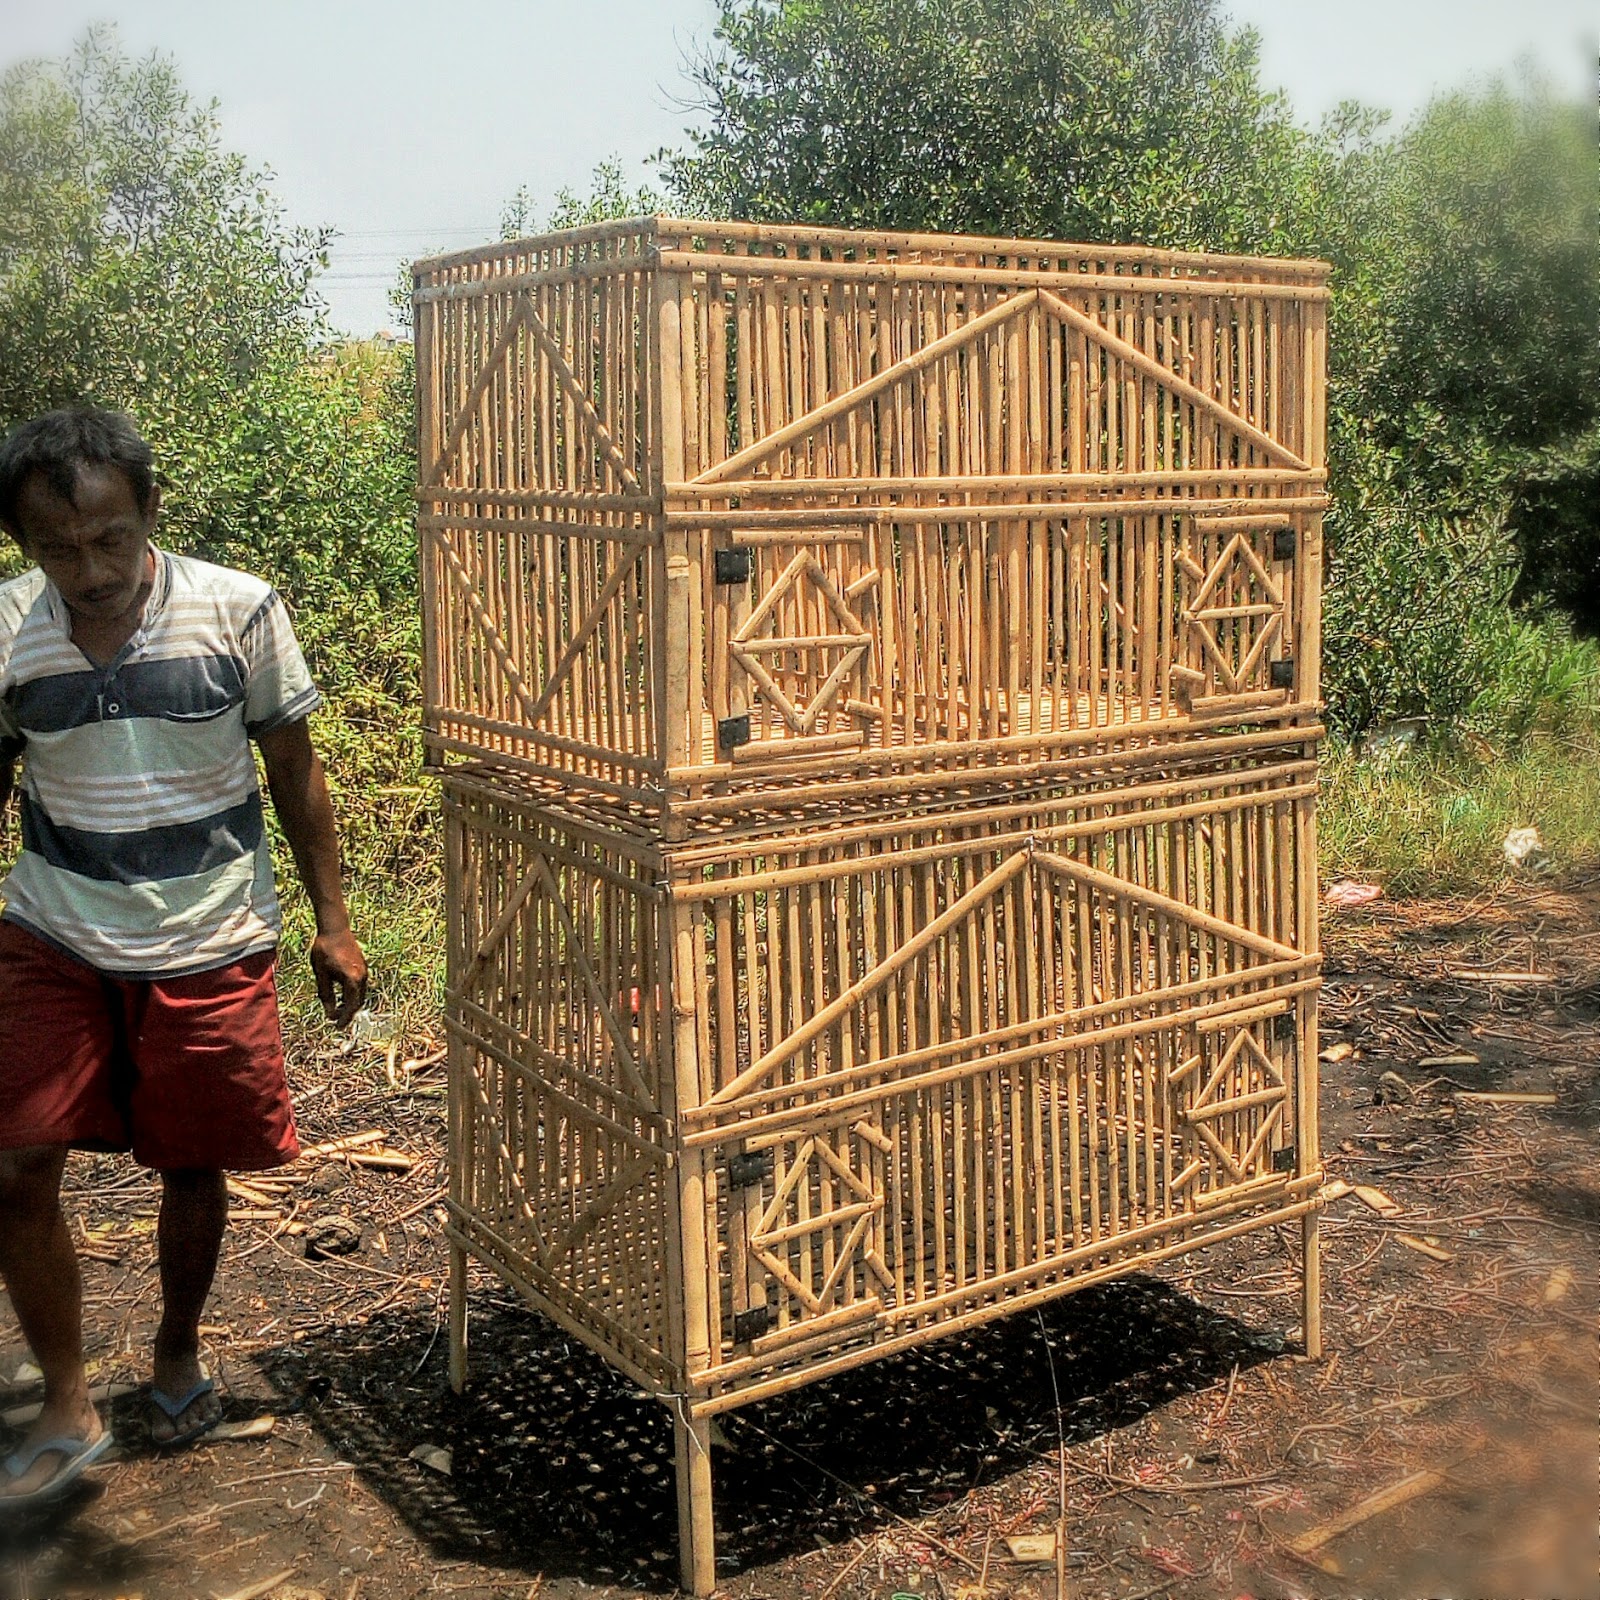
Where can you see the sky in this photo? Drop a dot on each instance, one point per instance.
(408, 126)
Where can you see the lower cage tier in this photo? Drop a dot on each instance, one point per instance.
(746, 1111)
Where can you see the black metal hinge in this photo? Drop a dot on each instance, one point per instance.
(733, 731)
(751, 1324)
(1285, 1027)
(1285, 544)
(1283, 673)
(736, 564)
(1283, 1160)
(749, 1168)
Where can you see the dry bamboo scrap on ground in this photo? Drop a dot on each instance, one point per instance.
(1411, 1487)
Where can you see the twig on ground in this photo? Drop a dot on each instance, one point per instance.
(337, 1147)
(255, 1591)
(195, 1517)
(289, 1472)
(1396, 1494)
(1134, 1486)
(849, 1567)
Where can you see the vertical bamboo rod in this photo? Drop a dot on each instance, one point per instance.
(460, 1154)
(1307, 1137)
(1308, 1097)
(689, 1262)
(687, 1241)
(697, 1556)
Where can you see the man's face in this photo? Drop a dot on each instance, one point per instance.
(97, 551)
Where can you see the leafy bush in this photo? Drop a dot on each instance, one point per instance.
(1538, 679)
(1555, 509)
(1468, 296)
(1412, 613)
(1464, 395)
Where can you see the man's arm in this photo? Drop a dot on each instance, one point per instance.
(300, 797)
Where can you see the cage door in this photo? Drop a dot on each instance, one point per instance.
(1234, 1103)
(1238, 645)
(805, 1224)
(795, 658)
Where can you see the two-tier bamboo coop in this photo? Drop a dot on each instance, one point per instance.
(874, 680)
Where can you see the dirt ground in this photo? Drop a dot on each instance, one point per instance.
(1202, 1456)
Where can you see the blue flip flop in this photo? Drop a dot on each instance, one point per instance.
(175, 1408)
(77, 1456)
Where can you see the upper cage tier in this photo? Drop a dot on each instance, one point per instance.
(714, 510)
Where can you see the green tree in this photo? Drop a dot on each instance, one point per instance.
(1464, 414)
(1555, 510)
(140, 263)
(144, 266)
(1104, 120)
(1469, 294)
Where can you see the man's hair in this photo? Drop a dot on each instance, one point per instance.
(59, 444)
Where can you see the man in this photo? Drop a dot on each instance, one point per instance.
(137, 1007)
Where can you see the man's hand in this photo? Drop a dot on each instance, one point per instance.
(341, 974)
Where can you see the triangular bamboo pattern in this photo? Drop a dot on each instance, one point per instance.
(770, 1236)
(958, 343)
(1243, 1053)
(1118, 347)
(868, 389)
(536, 706)
(541, 346)
(1199, 618)
(970, 904)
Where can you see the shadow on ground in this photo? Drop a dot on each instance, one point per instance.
(79, 1550)
(1571, 1198)
(559, 1466)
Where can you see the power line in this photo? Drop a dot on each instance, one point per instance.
(371, 263)
(399, 233)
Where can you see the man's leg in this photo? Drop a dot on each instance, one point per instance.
(194, 1213)
(40, 1269)
(209, 1097)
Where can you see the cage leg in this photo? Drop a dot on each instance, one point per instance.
(1311, 1247)
(697, 1556)
(458, 1318)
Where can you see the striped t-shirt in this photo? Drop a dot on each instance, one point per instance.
(143, 847)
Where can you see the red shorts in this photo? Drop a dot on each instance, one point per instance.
(185, 1072)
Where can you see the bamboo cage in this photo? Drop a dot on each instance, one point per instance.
(709, 510)
(875, 682)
